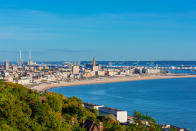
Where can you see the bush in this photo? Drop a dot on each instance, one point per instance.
(25, 109)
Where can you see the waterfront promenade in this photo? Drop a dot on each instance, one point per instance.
(46, 86)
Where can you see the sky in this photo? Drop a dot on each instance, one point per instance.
(77, 30)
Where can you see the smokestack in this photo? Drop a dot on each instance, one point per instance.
(20, 58)
(29, 57)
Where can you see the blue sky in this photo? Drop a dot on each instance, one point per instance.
(76, 30)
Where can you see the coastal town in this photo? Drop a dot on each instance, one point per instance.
(32, 73)
(37, 76)
(41, 77)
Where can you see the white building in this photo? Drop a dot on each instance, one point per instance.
(75, 70)
(153, 71)
(94, 106)
(100, 73)
(120, 115)
(24, 81)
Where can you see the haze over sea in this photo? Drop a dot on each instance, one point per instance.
(170, 101)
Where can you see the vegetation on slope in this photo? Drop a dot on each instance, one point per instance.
(25, 109)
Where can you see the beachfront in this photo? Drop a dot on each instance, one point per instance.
(46, 86)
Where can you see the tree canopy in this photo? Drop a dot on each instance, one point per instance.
(25, 109)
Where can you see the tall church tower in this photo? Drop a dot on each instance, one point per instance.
(94, 62)
(95, 68)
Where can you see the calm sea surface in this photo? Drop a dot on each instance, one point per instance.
(168, 101)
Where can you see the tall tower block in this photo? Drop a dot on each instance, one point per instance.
(94, 62)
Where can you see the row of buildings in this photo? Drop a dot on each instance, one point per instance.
(32, 73)
(35, 73)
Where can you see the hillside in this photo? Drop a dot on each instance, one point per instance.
(25, 109)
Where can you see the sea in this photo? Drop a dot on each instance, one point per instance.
(169, 101)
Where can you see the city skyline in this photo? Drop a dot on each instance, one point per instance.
(108, 30)
(25, 56)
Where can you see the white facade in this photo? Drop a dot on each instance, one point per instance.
(95, 68)
(112, 73)
(24, 81)
(153, 71)
(94, 106)
(100, 73)
(121, 116)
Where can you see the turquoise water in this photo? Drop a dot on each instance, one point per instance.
(168, 100)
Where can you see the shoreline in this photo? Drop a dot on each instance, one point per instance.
(46, 86)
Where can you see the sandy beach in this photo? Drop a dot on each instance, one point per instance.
(46, 86)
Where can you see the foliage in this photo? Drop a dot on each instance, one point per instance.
(25, 109)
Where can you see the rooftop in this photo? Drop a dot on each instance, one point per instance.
(113, 109)
(90, 104)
